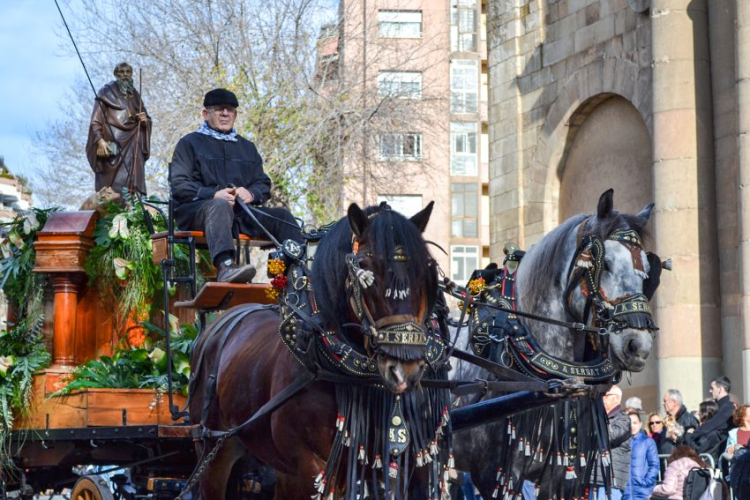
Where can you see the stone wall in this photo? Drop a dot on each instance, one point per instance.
(555, 66)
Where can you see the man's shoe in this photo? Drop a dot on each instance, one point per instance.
(232, 273)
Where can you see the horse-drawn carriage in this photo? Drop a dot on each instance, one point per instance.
(346, 386)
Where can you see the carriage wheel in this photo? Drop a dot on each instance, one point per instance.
(91, 488)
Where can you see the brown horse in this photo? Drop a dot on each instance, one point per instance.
(251, 364)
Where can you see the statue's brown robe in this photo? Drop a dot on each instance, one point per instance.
(126, 169)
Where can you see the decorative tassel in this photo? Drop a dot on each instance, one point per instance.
(510, 484)
(322, 486)
(378, 462)
(520, 444)
(420, 461)
(497, 490)
(605, 459)
(528, 449)
(499, 473)
(434, 447)
(510, 430)
(513, 432)
(451, 462)
(427, 457)
(347, 439)
(565, 459)
(362, 455)
(536, 490)
(582, 459)
(570, 473)
(366, 278)
(393, 470)
(330, 496)
(340, 423)
(559, 459)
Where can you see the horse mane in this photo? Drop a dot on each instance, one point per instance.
(545, 269)
(384, 232)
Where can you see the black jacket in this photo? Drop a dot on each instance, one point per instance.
(711, 443)
(721, 421)
(686, 419)
(202, 165)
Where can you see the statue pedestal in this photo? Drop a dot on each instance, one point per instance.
(61, 249)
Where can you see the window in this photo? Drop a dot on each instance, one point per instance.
(464, 26)
(464, 210)
(403, 84)
(464, 86)
(464, 261)
(400, 23)
(406, 204)
(400, 146)
(463, 148)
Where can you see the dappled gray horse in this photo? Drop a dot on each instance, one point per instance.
(592, 269)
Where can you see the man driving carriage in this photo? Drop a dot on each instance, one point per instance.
(214, 171)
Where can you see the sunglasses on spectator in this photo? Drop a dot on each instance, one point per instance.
(655, 422)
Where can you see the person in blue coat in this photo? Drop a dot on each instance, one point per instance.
(644, 461)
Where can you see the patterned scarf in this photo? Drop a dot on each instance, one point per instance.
(206, 130)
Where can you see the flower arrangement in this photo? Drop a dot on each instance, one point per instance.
(276, 269)
(476, 286)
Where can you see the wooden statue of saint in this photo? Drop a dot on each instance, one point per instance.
(119, 141)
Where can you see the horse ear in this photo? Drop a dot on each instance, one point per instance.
(357, 220)
(420, 219)
(606, 204)
(645, 214)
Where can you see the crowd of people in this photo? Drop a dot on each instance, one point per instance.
(717, 435)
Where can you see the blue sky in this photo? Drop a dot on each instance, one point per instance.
(35, 73)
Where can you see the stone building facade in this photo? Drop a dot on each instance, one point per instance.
(652, 98)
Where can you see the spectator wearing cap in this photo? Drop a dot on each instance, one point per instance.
(214, 171)
(634, 403)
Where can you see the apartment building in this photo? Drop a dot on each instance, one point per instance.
(419, 69)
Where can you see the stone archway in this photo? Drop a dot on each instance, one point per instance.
(608, 146)
(582, 92)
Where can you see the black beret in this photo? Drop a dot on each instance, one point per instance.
(219, 97)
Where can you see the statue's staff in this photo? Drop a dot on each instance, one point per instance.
(93, 89)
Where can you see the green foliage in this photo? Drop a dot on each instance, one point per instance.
(22, 353)
(141, 368)
(23, 287)
(121, 264)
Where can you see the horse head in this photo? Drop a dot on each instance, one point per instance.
(378, 261)
(594, 269)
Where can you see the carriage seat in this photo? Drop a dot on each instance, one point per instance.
(159, 242)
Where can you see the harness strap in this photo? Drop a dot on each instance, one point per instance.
(275, 402)
(396, 318)
(495, 368)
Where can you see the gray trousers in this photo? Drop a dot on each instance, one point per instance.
(221, 221)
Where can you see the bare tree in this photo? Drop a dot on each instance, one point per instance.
(305, 119)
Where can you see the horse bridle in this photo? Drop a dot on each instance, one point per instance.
(394, 330)
(610, 315)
